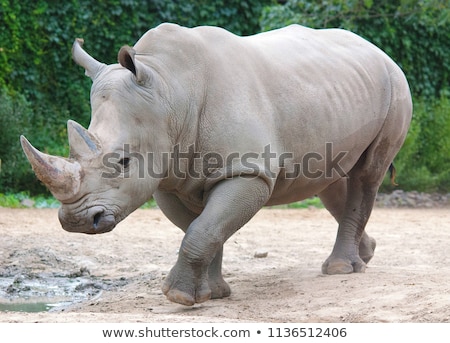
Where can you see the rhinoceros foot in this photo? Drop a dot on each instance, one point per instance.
(181, 297)
(367, 248)
(343, 266)
(346, 259)
(219, 288)
(185, 288)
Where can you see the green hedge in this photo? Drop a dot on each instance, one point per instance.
(41, 87)
(416, 34)
(423, 163)
(15, 116)
(38, 76)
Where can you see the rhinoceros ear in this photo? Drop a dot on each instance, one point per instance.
(82, 58)
(127, 60)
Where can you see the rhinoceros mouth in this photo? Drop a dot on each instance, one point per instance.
(95, 220)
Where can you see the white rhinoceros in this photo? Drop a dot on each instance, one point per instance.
(216, 126)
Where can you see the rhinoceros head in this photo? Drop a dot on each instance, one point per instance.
(99, 184)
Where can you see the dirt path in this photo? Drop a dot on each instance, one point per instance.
(120, 273)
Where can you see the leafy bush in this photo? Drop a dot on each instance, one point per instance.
(9, 200)
(423, 163)
(237, 16)
(15, 118)
(42, 87)
(19, 200)
(415, 34)
(36, 64)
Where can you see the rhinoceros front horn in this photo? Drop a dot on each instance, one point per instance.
(61, 176)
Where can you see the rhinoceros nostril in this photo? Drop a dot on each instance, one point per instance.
(97, 217)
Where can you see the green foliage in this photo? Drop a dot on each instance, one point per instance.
(16, 200)
(15, 117)
(423, 163)
(9, 200)
(37, 71)
(307, 203)
(149, 204)
(237, 16)
(41, 87)
(416, 34)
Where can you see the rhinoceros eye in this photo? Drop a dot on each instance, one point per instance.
(124, 162)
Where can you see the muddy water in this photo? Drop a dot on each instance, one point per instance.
(41, 292)
(34, 304)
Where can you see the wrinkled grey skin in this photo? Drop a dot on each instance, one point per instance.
(294, 88)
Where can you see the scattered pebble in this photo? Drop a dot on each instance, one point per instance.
(261, 254)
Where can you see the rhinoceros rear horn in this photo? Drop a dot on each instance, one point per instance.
(82, 143)
(82, 58)
(61, 176)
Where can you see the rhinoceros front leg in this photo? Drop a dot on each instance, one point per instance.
(219, 287)
(181, 216)
(230, 204)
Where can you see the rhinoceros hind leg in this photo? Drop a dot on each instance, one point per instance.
(353, 248)
(334, 199)
(345, 257)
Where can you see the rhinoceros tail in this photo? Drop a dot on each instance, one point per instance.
(392, 173)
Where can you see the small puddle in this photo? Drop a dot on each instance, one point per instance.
(33, 305)
(43, 293)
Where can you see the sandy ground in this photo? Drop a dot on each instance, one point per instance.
(408, 280)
